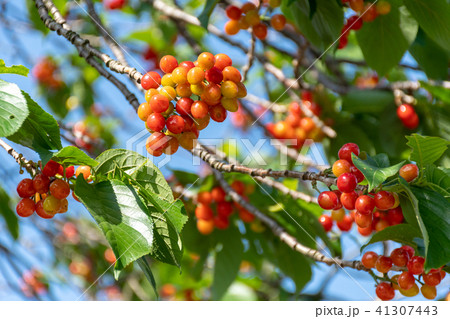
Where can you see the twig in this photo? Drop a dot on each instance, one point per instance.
(30, 166)
(250, 58)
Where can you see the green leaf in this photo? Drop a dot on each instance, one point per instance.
(366, 101)
(294, 265)
(433, 17)
(13, 108)
(426, 149)
(437, 91)
(385, 40)
(143, 264)
(403, 233)
(323, 28)
(71, 155)
(122, 216)
(39, 131)
(438, 180)
(434, 210)
(8, 214)
(312, 8)
(376, 169)
(185, 178)
(228, 261)
(14, 69)
(431, 57)
(206, 13)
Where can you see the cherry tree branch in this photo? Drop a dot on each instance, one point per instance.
(29, 165)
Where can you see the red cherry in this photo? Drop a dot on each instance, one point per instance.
(26, 207)
(405, 112)
(233, 12)
(151, 80)
(218, 113)
(354, 23)
(355, 171)
(369, 259)
(168, 63)
(384, 200)
(224, 209)
(363, 221)
(51, 168)
(327, 222)
(345, 224)
(187, 64)
(385, 291)
(25, 188)
(395, 216)
(365, 204)
(399, 257)
(416, 265)
(156, 122)
(383, 264)
(204, 212)
(175, 124)
(406, 280)
(432, 278)
(218, 194)
(184, 106)
(346, 151)
(214, 75)
(409, 172)
(59, 189)
(409, 250)
(221, 222)
(40, 211)
(328, 200)
(347, 183)
(348, 200)
(41, 183)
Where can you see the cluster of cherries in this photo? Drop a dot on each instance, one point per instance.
(214, 211)
(46, 194)
(45, 71)
(33, 283)
(405, 282)
(248, 16)
(408, 116)
(182, 102)
(85, 137)
(114, 4)
(368, 12)
(371, 212)
(296, 125)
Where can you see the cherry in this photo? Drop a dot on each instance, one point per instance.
(187, 64)
(343, 41)
(412, 123)
(399, 257)
(232, 27)
(156, 143)
(338, 215)
(395, 216)
(260, 30)
(51, 168)
(212, 94)
(175, 124)
(229, 89)
(83, 170)
(365, 204)
(199, 109)
(405, 112)
(369, 259)
(188, 140)
(354, 23)
(25, 188)
(179, 75)
(167, 80)
(204, 212)
(365, 231)
(205, 227)
(355, 171)
(150, 80)
(326, 222)
(383, 7)
(156, 122)
(51, 204)
(370, 13)
(221, 222)
(432, 278)
(381, 225)
(204, 198)
(184, 90)
(225, 209)
(409, 172)
(410, 292)
(218, 194)
(218, 113)
(69, 171)
(114, 4)
(184, 106)
(64, 206)
(231, 105)
(214, 75)
(168, 63)
(59, 189)
(346, 182)
(338, 194)
(41, 212)
(416, 265)
(409, 250)
(357, 5)
(195, 75)
(428, 292)
(232, 74)
(278, 21)
(383, 264)
(246, 216)
(172, 145)
(406, 280)
(363, 221)
(206, 60)
(233, 12)
(159, 103)
(345, 224)
(26, 207)
(328, 200)
(385, 291)
(346, 151)
(238, 187)
(348, 200)
(252, 17)
(340, 167)
(384, 200)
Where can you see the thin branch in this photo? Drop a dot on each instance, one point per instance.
(30, 166)
(250, 58)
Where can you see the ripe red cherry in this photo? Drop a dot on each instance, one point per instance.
(221, 222)
(363, 221)
(412, 123)
(238, 187)
(151, 80)
(348, 200)
(406, 280)
(59, 189)
(214, 75)
(384, 200)
(26, 207)
(156, 143)
(114, 4)
(365, 204)
(432, 278)
(70, 171)
(25, 188)
(405, 112)
(199, 109)
(51, 168)
(395, 216)
(218, 113)
(184, 106)
(159, 103)
(399, 257)
(369, 259)
(40, 211)
(218, 194)
(385, 291)
(354, 23)
(416, 265)
(409, 250)
(233, 12)
(327, 222)
(328, 200)
(355, 171)
(345, 224)
(346, 151)
(346, 182)
(156, 122)
(41, 183)
(409, 172)
(204, 212)
(204, 197)
(168, 63)
(226, 208)
(175, 124)
(383, 264)
(187, 64)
